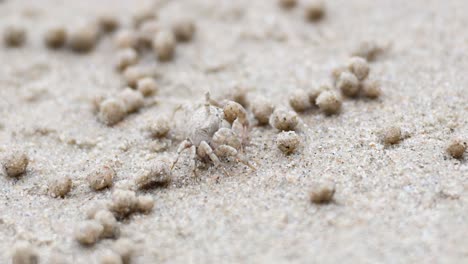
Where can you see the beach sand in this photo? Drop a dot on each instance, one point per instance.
(405, 203)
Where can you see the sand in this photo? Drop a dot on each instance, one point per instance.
(401, 204)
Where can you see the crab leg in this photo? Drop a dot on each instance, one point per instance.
(183, 146)
(246, 163)
(206, 149)
(194, 160)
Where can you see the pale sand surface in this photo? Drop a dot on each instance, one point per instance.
(401, 204)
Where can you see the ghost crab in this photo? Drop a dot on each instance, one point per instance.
(211, 137)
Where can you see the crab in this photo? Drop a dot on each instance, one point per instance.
(211, 137)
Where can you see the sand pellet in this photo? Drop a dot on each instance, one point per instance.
(147, 86)
(157, 174)
(84, 39)
(60, 186)
(15, 163)
(285, 120)
(160, 127)
(314, 10)
(359, 67)
(135, 73)
(315, 92)
(145, 203)
(24, 253)
(371, 89)
(55, 37)
(262, 110)
(14, 36)
(287, 4)
(133, 100)
(101, 178)
(368, 50)
(110, 257)
(124, 203)
(287, 141)
(112, 111)
(91, 210)
(322, 193)
(336, 72)
(392, 135)
(125, 248)
(125, 39)
(164, 45)
(299, 101)
(143, 15)
(146, 33)
(110, 226)
(108, 22)
(348, 84)
(88, 232)
(456, 148)
(96, 101)
(239, 95)
(126, 57)
(184, 29)
(329, 102)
